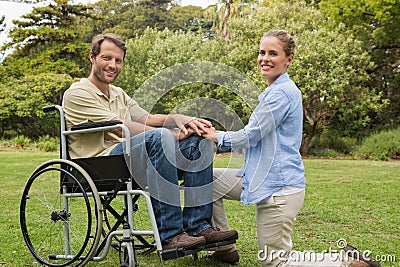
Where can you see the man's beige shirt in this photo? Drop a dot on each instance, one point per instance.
(84, 102)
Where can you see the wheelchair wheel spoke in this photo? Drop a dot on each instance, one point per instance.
(59, 218)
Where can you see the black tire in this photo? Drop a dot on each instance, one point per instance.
(60, 214)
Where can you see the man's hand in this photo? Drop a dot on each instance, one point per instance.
(180, 135)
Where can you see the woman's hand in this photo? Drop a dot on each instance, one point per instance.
(211, 134)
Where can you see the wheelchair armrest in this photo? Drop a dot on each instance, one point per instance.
(86, 128)
(90, 125)
(102, 126)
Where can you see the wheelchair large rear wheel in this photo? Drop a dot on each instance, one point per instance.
(61, 214)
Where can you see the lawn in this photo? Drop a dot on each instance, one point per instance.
(358, 201)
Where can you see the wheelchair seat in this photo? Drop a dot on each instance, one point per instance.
(107, 171)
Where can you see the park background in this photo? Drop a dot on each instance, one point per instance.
(346, 65)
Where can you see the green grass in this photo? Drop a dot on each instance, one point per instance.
(351, 199)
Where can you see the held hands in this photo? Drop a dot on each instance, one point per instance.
(199, 126)
(210, 133)
(189, 125)
(180, 135)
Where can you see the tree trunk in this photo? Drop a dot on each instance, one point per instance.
(224, 30)
(307, 139)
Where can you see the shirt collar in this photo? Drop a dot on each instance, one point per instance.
(281, 79)
(91, 86)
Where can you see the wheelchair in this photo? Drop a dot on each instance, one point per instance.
(69, 214)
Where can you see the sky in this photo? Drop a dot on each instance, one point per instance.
(13, 10)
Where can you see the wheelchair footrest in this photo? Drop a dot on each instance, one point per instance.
(181, 252)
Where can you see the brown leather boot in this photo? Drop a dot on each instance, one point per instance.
(184, 240)
(230, 256)
(359, 258)
(213, 234)
(357, 263)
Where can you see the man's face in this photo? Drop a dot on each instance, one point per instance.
(107, 65)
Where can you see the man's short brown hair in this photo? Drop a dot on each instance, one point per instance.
(99, 39)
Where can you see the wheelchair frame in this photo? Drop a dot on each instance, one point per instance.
(88, 181)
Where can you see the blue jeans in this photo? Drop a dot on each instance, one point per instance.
(157, 160)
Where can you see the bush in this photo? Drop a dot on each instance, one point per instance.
(47, 144)
(21, 141)
(384, 145)
(331, 144)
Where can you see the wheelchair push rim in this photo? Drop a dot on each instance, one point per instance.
(60, 214)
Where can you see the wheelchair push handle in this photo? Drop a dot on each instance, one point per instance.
(49, 108)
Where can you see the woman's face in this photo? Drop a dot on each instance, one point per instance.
(272, 59)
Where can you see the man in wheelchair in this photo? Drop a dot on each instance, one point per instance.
(163, 148)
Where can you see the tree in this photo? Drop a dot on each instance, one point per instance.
(47, 40)
(225, 10)
(115, 16)
(2, 23)
(22, 100)
(329, 67)
(153, 73)
(47, 26)
(188, 18)
(148, 13)
(376, 24)
(130, 18)
(2, 28)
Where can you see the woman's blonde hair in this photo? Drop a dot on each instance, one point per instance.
(288, 42)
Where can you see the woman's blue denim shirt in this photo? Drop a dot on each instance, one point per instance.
(270, 142)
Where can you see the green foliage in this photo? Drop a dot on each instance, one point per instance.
(375, 23)
(188, 18)
(47, 26)
(47, 41)
(373, 20)
(329, 66)
(330, 69)
(21, 141)
(22, 100)
(47, 143)
(131, 18)
(384, 145)
(331, 144)
(58, 59)
(114, 17)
